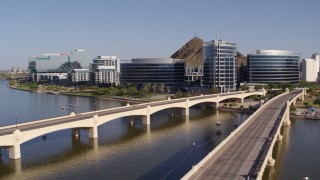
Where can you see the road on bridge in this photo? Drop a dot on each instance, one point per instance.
(235, 159)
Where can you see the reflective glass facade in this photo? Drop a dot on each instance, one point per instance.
(154, 70)
(60, 62)
(273, 66)
(219, 65)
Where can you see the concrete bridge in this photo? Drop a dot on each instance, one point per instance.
(246, 152)
(13, 136)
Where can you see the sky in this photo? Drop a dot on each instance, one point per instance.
(153, 28)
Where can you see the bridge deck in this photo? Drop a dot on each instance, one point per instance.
(235, 159)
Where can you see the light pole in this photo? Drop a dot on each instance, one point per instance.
(16, 121)
(193, 152)
(95, 107)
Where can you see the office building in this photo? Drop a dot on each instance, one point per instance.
(57, 63)
(168, 71)
(219, 65)
(105, 71)
(273, 66)
(79, 76)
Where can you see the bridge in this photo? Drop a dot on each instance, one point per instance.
(246, 152)
(13, 136)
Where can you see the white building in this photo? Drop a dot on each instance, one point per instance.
(105, 70)
(79, 76)
(310, 70)
(317, 58)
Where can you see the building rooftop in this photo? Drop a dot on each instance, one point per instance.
(274, 52)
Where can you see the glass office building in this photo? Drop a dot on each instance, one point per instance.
(219, 65)
(58, 62)
(153, 70)
(273, 66)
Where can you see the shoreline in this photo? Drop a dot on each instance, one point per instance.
(129, 100)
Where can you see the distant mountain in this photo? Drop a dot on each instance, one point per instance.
(191, 52)
(241, 59)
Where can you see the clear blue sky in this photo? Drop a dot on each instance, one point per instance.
(153, 28)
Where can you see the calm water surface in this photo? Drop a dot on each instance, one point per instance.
(298, 154)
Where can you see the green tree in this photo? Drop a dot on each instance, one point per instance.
(215, 90)
(161, 88)
(292, 107)
(306, 104)
(154, 88)
(33, 86)
(272, 86)
(12, 82)
(258, 87)
(132, 90)
(244, 88)
(179, 94)
(317, 101)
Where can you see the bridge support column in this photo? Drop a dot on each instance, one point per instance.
(75, 132)
(130, 120)
(14, 152)
(271, 161)
(279, 137)
(185, 112)
(286, 117)
(146, 120)
(93, 132)
(215, 105)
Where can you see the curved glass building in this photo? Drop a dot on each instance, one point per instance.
(273, 66)
(219, 65)
(153, 70)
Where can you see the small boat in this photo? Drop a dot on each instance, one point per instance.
(62, 108)
(218, 123)
(305, 178)
(219, 132)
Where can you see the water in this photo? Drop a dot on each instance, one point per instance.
(298, 154)
(122, 151)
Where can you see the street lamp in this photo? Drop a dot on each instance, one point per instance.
(95, 107)
(16, 121)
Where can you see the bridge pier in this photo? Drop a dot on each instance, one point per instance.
(286, 117)
(146, 120)
(93, 132)
(279, 137)
(215, 105)
(14, 152)
(75, 132)
(130, 120)
(271, 161)
(185, 112)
